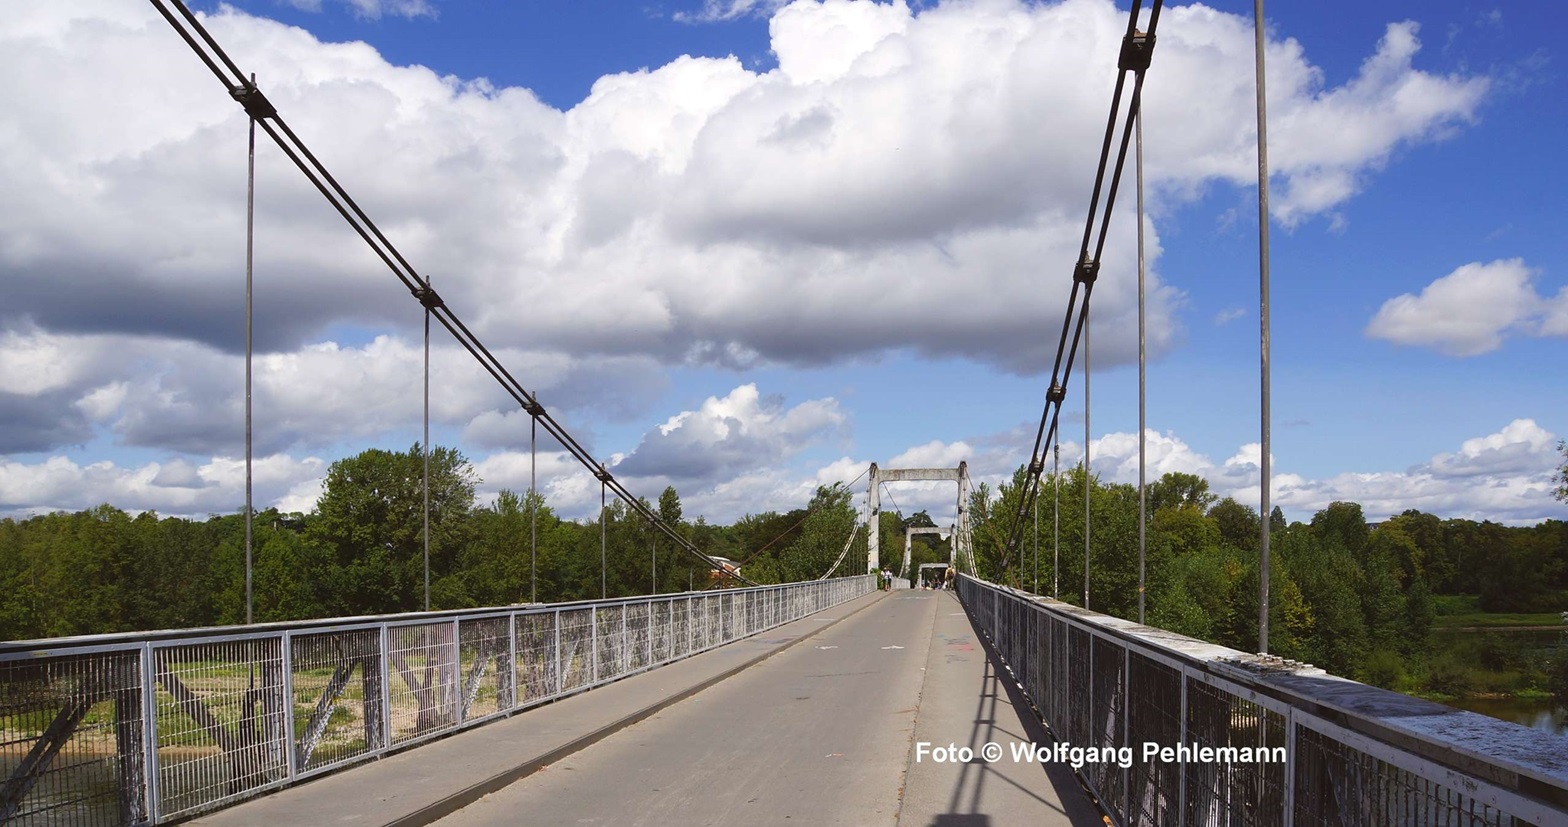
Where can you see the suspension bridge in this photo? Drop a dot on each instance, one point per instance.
(827, 701)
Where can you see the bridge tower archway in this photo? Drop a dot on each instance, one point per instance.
(963, 556)
(909, 536)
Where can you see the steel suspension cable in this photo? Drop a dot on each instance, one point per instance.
(1088, 475)
(1263, 332)
(426, 484)
(798, 523)
(1056, 528)
(533, 510)
(250, 258)
(189, 28)
(1136, 53)
(1143, 441)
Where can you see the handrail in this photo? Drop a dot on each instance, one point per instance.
(147, 727)
(1352, 753)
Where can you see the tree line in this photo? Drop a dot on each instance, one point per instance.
(1355, 598)
(362, 551)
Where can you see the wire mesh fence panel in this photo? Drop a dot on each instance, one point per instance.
(142, 731)
(71, 740)
(713, 609)
(611, 642)
(1058, 676)
(638, 636)
(536, 657)
(1023, 641)
(1078, 678)
(1153, 717)
(576, 647)
(1040, 692)
(659, 631)
(680, 628)
(424, 684)
(337, 697)
(220, 710)
(1108, 707)
(698, 620)
(1232, 791)
(1221, 729)
(484, 667)
(1338, 786)
(726, 618)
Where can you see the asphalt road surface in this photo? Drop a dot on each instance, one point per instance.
(825, 732)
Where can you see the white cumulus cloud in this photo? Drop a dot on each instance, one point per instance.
(1472, 310)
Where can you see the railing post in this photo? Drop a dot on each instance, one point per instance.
(1181, 766)
(386, 687)
(291, 761)
(1126, 732)
(150, 733)
(626, 647)
(455, 688)
(560, 675)
(1289, 818)
(511, 648)
(593, 643)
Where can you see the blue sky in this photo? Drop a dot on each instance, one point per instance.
(774, 244)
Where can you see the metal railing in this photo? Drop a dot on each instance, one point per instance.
(1286, 744)
(147, 728)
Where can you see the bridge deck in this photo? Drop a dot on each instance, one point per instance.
(823, 732)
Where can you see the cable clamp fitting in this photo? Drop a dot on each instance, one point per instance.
(533, 408)
(428, 297)
(1137, 51)
(1056, 394)
(1036, 465)
(603, 475)
(256, 104)
(1087, 271)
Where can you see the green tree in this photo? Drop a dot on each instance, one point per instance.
(1238, 524)
(829, 519)
(370, 519)
(1176, 489)
(1561, 478)
(1343, 523)
(1330, 581)
(1383, 603)
(1186, 529)
(670, 506)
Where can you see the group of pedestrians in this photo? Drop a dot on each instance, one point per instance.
(942, 581)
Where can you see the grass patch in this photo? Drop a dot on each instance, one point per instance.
(1484, 620)
(1456, 604)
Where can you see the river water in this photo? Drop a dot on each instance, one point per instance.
(1547, 715)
